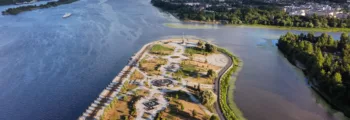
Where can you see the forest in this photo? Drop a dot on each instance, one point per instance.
(17, 10)
(326, 62)
(263, 15)
(8, 2)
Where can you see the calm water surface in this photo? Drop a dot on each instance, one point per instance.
(53, 68)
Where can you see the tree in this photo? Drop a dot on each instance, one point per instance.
(346, 54)
(311, 36)
(210, 48)
(194, 113)
(214, 117)
(126, 117)
(344, 39)
(199, 87)
(211, 73)
(182, 106)
(319, 57)
(337, 78)
(207, 97)
(125, 98)
(200, 44)
(309, 48)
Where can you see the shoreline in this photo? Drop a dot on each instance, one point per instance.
(96, 109)
(329, 100)
(232, 88)
(229, 109)
(312, 86)
(271, 26)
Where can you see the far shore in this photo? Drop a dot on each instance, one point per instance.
(273, 27)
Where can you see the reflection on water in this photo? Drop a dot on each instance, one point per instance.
(191, 26)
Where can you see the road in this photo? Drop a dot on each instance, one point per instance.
(217, 88)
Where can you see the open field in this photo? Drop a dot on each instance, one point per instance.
(151, 66)
(161, 49)
(182, 108)
(136, 75)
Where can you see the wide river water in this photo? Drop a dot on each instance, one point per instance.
(53, 68)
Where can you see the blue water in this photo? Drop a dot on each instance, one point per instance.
(53, 68)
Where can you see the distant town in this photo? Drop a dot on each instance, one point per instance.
(301, 8)
(309, 9)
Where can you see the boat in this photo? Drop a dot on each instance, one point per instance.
(66, 15)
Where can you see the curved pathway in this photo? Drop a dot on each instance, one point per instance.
(217, 87)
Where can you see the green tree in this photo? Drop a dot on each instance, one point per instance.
(208, 97)
(182, 106)
(211, 73)
(214, 117)
(309, 48)
(194, 113)
(200, 44)
(344, 39)
(337, 78)
(210, 48)
(125, 98)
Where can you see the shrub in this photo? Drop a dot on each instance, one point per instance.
(208, 97)
(214, 117)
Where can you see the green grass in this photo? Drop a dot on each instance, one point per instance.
(229, 109)
(175, 57)
(195, 50)
(161, 50)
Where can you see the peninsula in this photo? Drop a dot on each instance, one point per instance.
(177, 78)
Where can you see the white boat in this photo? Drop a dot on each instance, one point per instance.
(66, 15)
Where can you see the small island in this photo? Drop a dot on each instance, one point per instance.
(177, 78)
(17, 10)
(325, 62)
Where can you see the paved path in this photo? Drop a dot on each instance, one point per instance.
(217, 88)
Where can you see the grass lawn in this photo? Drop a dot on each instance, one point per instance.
(136, 75)
(119, 110)
(190, 69)
(142, 92)
(151, 66)
(127, 87)
(161, 49)
(195, 50)
(181, 108)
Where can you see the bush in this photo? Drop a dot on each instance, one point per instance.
(208, 97)
(214, 117)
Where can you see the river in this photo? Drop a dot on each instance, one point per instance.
(53, 68)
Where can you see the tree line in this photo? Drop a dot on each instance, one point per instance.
(17, 10)
(263, 15)
(326, 61)
(8, 2)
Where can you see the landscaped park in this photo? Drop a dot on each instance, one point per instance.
(170, 79)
